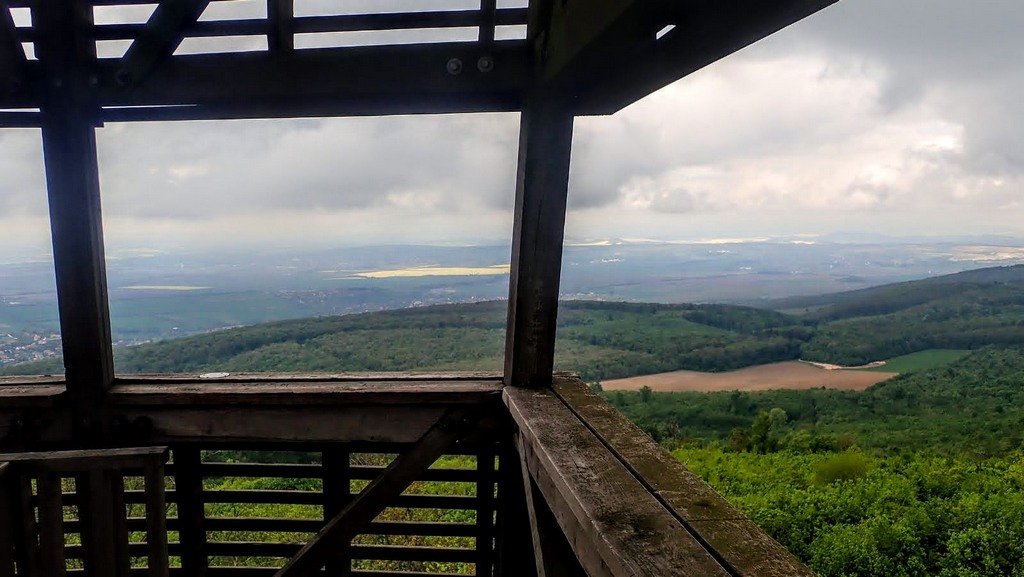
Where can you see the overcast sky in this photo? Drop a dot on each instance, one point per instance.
(892, 116)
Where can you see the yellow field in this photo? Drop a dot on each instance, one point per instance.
(787, 375)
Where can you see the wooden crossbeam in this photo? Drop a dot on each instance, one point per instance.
(164, 31)
(337, 534)
(704, 32)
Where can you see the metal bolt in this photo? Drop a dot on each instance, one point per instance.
(94, 80)
(485, 64)
(454, 66)
(123, 77)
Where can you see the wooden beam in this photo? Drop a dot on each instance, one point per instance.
(188, 486)
(281, 14)
(403, 471)
(542, 183)
(164, 31)
(72, 180)
(12, 56)
(617, 528)
(704, 31)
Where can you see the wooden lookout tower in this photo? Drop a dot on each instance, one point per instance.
(103, 474)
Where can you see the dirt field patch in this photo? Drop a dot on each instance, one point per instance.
(787, 375)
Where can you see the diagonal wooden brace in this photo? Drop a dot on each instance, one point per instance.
(337, 534)
(164, 31)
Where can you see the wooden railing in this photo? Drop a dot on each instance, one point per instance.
(292, 475)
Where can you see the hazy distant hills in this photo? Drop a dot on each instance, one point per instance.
(604, 340)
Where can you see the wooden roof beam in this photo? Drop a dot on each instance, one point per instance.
(12, 56)
(703, 32)
(281, 14)
(163, 34)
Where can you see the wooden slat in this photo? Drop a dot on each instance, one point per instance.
(485, 514)
(299, 471)
(8, 520)
(615, 525)
(26, 550)
(705, 31)
(72, 181)
(488, 13)
(542, 181)
(553, 555)
(374, 498)
(739, 543)
(164, 32)
(51, 525)
(104, 536)
(156, 520)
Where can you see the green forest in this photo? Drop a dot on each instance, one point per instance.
(921, 475)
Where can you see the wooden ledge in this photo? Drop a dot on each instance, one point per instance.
(617, 527)
(737, 541)
(24, 393)
(270, 392)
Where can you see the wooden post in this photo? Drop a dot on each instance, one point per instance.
(485, 512)
(336, 463)
(73, 189)
(188, 489)
(553, 553)
(8, 518)
(542, 182)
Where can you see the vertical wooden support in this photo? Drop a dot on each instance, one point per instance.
(72, 180)
(515, 557)
(51, 525)
(485, 513)
(280, 14)
(104, 527)
(8, 519)
(545, 145)
(488, 8)
(156, 519)
(553, 553)
(337, 473)
(188, 484)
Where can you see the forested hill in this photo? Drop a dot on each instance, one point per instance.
(599, 340)
(603, 340)
(894, 297)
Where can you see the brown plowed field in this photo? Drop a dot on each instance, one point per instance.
(787, 375)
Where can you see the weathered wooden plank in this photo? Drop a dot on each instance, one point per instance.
(299, 471)
(85, 460)
(736, 541)
(340, 530)
(51, 525)
(614, 524)
(542, 182)
(164, 31)
(156, 520)
(279, 394)
(441, 379)
(23, 396)
(66, 55)
(705, 31)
